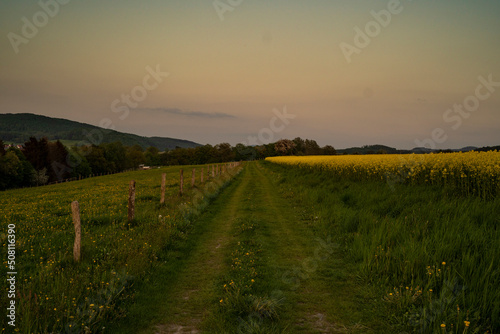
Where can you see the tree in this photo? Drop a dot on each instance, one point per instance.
(268, 151)
(78, 162)
(25, 170)
(9, 166)
(2, 148)
(242, 152)
(15, 170)
(261, 151)
(311, 147)
(300, 146)
(204, 154)
(180, 156)
(115, 155)
(40, 177)
(224, 152)
(135, 156)
(37, 153)
(152, 156)
(96, 157)
(284, 147)
(329, 150)
(58, 162)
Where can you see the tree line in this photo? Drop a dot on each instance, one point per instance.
(41, 161)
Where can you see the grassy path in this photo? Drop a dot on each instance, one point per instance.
(320, 288)
(173, 300)
(301, 284)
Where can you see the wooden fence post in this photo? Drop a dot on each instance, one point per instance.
(75, 209)
(202, 172)
(213, 170)
(193, 176)
(131, 201)
(163, 185)
(182, 183)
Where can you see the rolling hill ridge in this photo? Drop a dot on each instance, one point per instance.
(18, 128)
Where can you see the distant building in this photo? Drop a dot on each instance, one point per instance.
(143, 167)
(7, 146)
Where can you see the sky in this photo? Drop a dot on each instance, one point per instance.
(345, 73)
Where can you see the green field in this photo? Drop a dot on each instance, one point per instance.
(55, 294)
(273, 249)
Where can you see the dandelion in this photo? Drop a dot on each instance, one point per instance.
(466, 323)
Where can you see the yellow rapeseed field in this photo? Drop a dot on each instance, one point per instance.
(471, 173)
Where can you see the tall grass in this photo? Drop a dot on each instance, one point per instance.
(435, 255)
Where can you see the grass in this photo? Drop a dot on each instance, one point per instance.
(55, 294)
(433, 255)
(248, 267)
(277, 250)
(180, 286)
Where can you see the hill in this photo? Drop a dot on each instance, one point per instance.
(368, 149)
(377, 149)
(18, 128)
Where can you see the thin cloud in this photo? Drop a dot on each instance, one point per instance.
(189, 113)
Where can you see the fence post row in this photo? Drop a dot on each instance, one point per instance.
(75, 207)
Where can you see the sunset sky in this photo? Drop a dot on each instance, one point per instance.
(229, 66)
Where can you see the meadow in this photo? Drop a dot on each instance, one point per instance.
(418, 248)
(56, 294)
(423, 229)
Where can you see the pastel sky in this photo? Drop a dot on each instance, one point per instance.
(230, 63)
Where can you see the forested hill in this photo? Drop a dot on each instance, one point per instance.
(18, 128)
